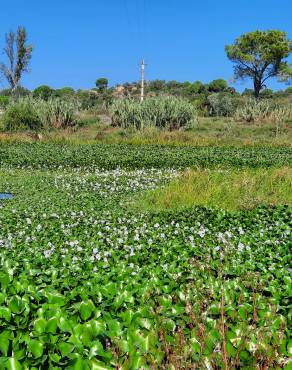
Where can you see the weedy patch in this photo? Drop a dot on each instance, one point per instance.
(230, 189)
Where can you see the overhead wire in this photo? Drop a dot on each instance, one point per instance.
(135, 13)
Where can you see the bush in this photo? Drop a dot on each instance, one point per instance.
(162, 112)
(31, 114)
(21, 115)
(221, 105)
(254, 110)
(218, 85)
(57, 113)
(43, 92)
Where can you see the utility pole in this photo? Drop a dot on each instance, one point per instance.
(142, 79)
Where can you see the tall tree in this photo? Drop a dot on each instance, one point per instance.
(18, 53)
(259, 55)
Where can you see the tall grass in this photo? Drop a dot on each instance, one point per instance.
(228, 189)
(168, 113)
(57, 113)
(263, 110)
(34, 114)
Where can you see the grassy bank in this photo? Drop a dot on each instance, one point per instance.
(208, 131)
(229, 189)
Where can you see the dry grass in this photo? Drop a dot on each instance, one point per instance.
(209, 131)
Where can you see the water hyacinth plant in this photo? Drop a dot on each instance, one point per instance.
(162, 112)
(88, 284)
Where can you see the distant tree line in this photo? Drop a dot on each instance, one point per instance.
(258, 56)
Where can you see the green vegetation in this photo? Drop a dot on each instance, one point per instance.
(151, 235)
(110, 156)
(259, 55)
(230, 189)
(20, 115)
(88, 283)
(167, 113)
(30, 114)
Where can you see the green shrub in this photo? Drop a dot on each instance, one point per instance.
(162, 112)
(57, 113)
(254, 110)
(32, 114)
(221, 104)
(21, 115)
(43, 92)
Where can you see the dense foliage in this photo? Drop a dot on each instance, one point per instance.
(111, 156)
(87, 284)
(167, 112)
(259, 55)
(33, 114)
(20, 115)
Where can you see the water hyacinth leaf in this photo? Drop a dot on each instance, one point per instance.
(4, 342)
(40, 325)
(55, 358)
(144, 323)
(4, 280)
(65, 348)
(15, 304)
(196, 347)
(114, 328)
(65, 325)
(35, 347)
(5, 313)
(13, 364)
(86, 309)
(52, 324)
(2, 297)
(79, 364)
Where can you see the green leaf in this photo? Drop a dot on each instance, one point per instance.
(52, 325)
(4, 342)
(114, 328)
(13, 364)
(5, 313)
(15, 304)
(40, 325)
(86, 310)
(35, 347)
(96, 349)
(4, 280)
(65, 325)
(65, 348)
(144, 323)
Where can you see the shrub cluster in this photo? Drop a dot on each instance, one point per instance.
(162, 112)
(221, 104)
(263, 110)
(31, 114)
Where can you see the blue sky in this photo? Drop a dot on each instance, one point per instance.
(76, 41)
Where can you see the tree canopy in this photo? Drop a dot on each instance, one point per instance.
(101, 84)
(259, 55)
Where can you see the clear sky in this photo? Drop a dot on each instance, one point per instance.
(75, 41)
